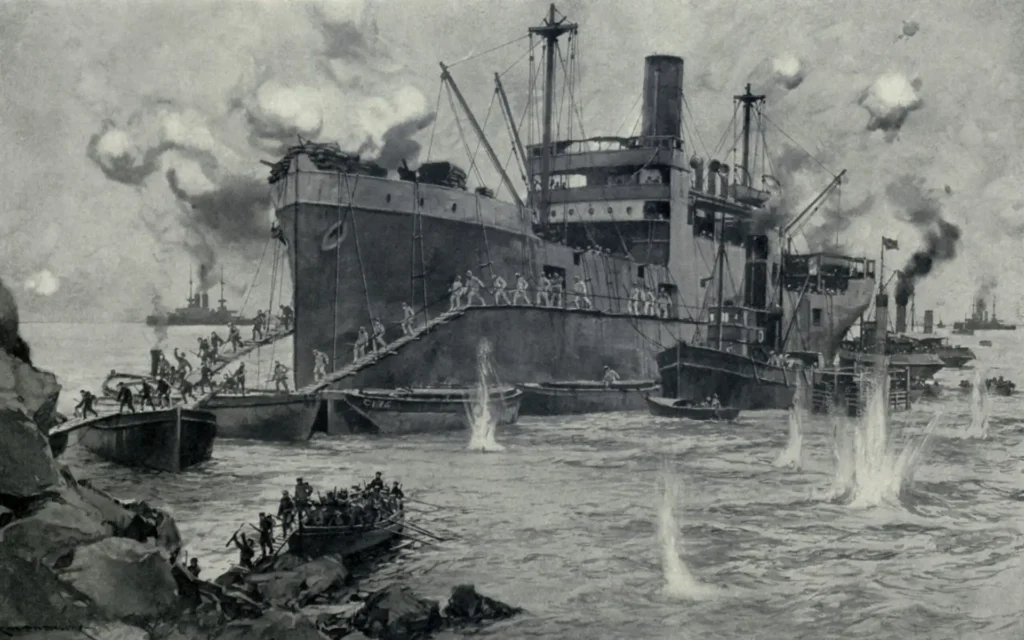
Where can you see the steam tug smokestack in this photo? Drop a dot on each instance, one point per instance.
(663, 97)
(901, 318)
(204, 300)
(154, 361)
(929, 318)
(881, 321)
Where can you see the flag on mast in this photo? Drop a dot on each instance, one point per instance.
(889, 244)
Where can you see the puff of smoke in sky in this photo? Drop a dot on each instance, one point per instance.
(888, 101)
(940, 237)
(43, 283)
(788, 71)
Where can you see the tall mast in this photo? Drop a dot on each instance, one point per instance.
(550, 31)
(447, 77)
(190, 284)
(222, 300)
(749, 100)
(516, 140)
(720, 260)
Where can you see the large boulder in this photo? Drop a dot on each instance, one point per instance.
(272, 625)
(125, 579)
(303, 584)
(36, 391)
(27, 469)
(465, 605)
(34, 597)
(52, 531)
(396, 613)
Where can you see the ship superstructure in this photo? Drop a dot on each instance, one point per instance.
(198, 312)
(620, 248)
(980, 320)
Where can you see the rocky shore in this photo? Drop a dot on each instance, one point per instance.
(78, 563)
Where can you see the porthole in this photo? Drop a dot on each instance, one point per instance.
(609, 210)
(629, 211)
(551, 214)
(421, 202)
(590, 210)
(387, 198)
(334, 236)
(572, 212)
(454, 206)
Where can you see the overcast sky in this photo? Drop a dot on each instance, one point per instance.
(116, 113)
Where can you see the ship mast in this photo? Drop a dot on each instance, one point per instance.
(516, 140)
(222, 300)
(748, 100)
(720, 261)
(550, 31)
(190, 285)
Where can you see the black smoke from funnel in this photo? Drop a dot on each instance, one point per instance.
(10, 339)
(125, 169)
(940, 236)
(836, 221)
(985, 287)
(159, 329)
(233, 216)
(399, 144)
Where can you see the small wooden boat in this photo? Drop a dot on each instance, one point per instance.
(430, 410)
(131, 380)
(164, 440)
(985, 343)
(584, 396)
(264, 415)
(994, 387)
(672, 408)
(345, 541)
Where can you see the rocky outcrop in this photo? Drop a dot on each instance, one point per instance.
(466, 606)
(300, 585)
(396, 613)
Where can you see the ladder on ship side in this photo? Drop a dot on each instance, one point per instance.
(374, 357)
(194, 375)
(419, 271)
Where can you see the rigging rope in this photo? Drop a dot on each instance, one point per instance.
(337, 279)
(462, 135)
(491, 50)
(433, 129)
(255, 275)
(788, 137)
(696, 129)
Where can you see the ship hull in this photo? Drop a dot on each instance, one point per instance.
(698, 373)
(274, 417)
(391, 415)
(166, 440)
(213, 321)
(581, 398)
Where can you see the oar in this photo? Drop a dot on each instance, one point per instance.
(424, 531)
(406, 535)
(234, 534)
(436, 506)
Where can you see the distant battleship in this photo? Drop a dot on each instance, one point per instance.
(198, 311)
(981, 321)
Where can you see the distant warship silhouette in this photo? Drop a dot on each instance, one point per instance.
(198, 311)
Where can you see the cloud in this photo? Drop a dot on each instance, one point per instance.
(43, 283)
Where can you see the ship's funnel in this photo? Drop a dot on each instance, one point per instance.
(929, 318)
(901, 318)
(204, 300)
(881, 321)
(697, 164)
(663, 96)
(154, 361)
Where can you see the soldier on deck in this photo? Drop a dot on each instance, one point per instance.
(319, 365)
(610, 376)
(359, 349)
(409, 317)
(648, 297)
(163, 393)
(240, 378)
(280, 377)
(266, 534)
(473, 287)
(286, 512)
(234, 337)
(580, 300)
(184, 366)
(185, 388)
(85, 406)
(246, 550)
(204, 350)
(215, 344)
(543, 289)
(521, 287)
(193, 567)
(556, 291)
(124, 397)
(378, 335)
(633, 308)
(498, 285)
(205, 378)
(664, 304)
(163, 367)
(377, 482)
(286, 317)
(257, 326)
(455, 300)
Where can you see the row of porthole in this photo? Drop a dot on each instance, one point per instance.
(387, 198)
(572, 212)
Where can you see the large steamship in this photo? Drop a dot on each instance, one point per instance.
(620, 215)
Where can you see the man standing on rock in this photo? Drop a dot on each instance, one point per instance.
(266, 535)
(124, 397)
(246, 550)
